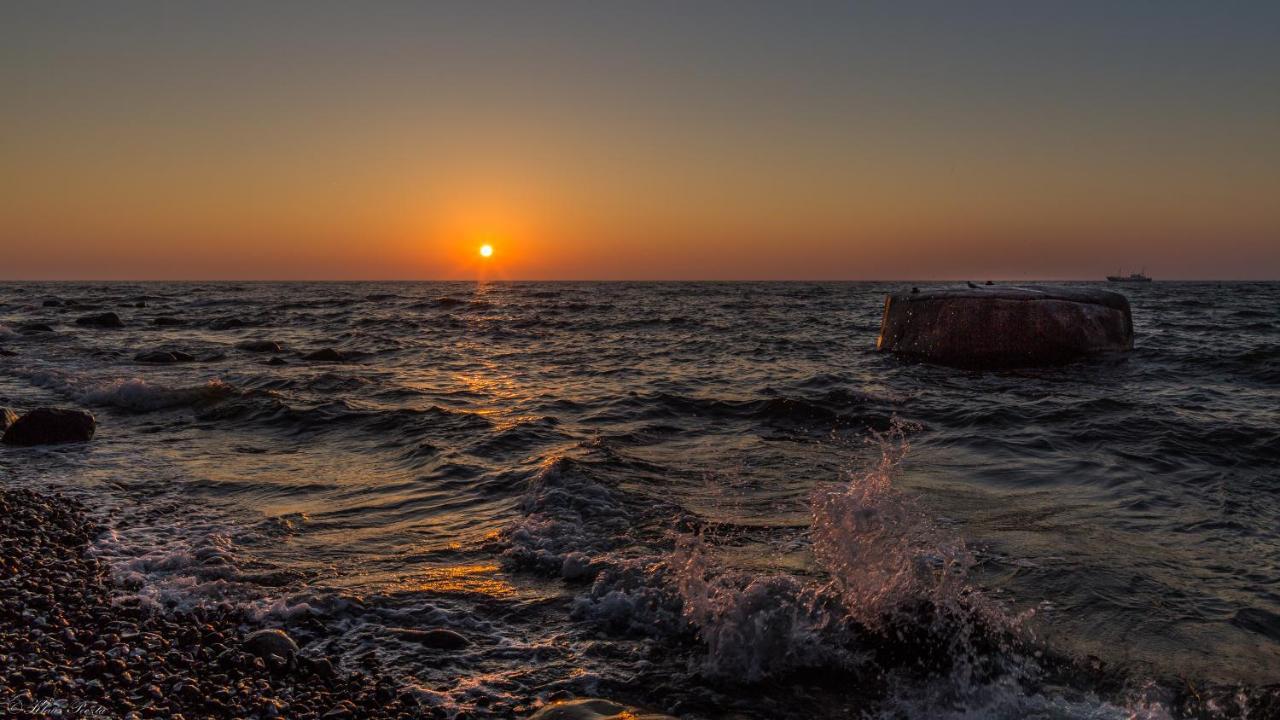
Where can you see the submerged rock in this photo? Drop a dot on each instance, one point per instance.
(106, 320)
(325, 355)
(593, 709)
(1005, 327)
(7, 418)
(33, 328)
(438, 638)
(264, 643)
(163, 356)
(230, 323)
(270, 346)
(44, 426)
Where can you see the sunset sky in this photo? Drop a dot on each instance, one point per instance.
(645, 140)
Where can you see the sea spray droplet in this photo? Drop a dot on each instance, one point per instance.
(879, 549)
(893, 585)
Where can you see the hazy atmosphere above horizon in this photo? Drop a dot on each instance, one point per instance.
(655, 140)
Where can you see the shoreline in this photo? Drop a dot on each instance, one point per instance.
(68, 651)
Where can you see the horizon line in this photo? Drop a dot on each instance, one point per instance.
(617, 280)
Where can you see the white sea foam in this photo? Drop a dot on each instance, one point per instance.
(1006, 699)
(756, 627)
(133, 394)
(881, 558)
(570, 520)
(160, 564)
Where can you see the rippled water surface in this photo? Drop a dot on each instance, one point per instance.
(713, 499)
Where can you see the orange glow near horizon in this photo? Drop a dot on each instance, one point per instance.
(589, 145)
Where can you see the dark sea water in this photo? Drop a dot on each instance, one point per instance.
(708, 499)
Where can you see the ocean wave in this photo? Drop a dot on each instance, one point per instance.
(132, 394)
(1009, 698)
(520, 437)
(891, 588)
(269, 408)
(569, 517)
(836, 409)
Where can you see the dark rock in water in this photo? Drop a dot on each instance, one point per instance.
(106, 320)
(44, 426)
(264, 643)
(154, 356)
(277, 361)
(7, 418)
(227, 324)
(1005, 327)
(270, 346)
(1259, 621)
(438, 638)
(325, 355)
(52, 302)
(33, 328)
(165, 321)
(5, 352)
(163, 356)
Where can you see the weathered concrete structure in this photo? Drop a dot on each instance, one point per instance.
(1005, 327)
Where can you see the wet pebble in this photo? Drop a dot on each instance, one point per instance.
(133, 663)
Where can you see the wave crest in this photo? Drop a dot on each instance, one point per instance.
(133, 394)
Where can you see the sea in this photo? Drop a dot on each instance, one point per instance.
(711, 500)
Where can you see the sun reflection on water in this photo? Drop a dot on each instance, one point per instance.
(472, 579)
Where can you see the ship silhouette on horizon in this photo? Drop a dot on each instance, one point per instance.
(1131, 277)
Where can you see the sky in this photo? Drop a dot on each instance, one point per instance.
(639, 140)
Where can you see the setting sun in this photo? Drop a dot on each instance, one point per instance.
(818, 359)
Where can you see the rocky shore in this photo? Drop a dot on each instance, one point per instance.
(67, 651)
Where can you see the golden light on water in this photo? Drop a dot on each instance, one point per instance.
(476, 579)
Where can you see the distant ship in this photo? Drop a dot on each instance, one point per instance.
(1131, 277)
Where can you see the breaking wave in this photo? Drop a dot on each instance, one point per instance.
(131, 394)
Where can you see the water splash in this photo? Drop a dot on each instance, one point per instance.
(888, 586)
(880, 550)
